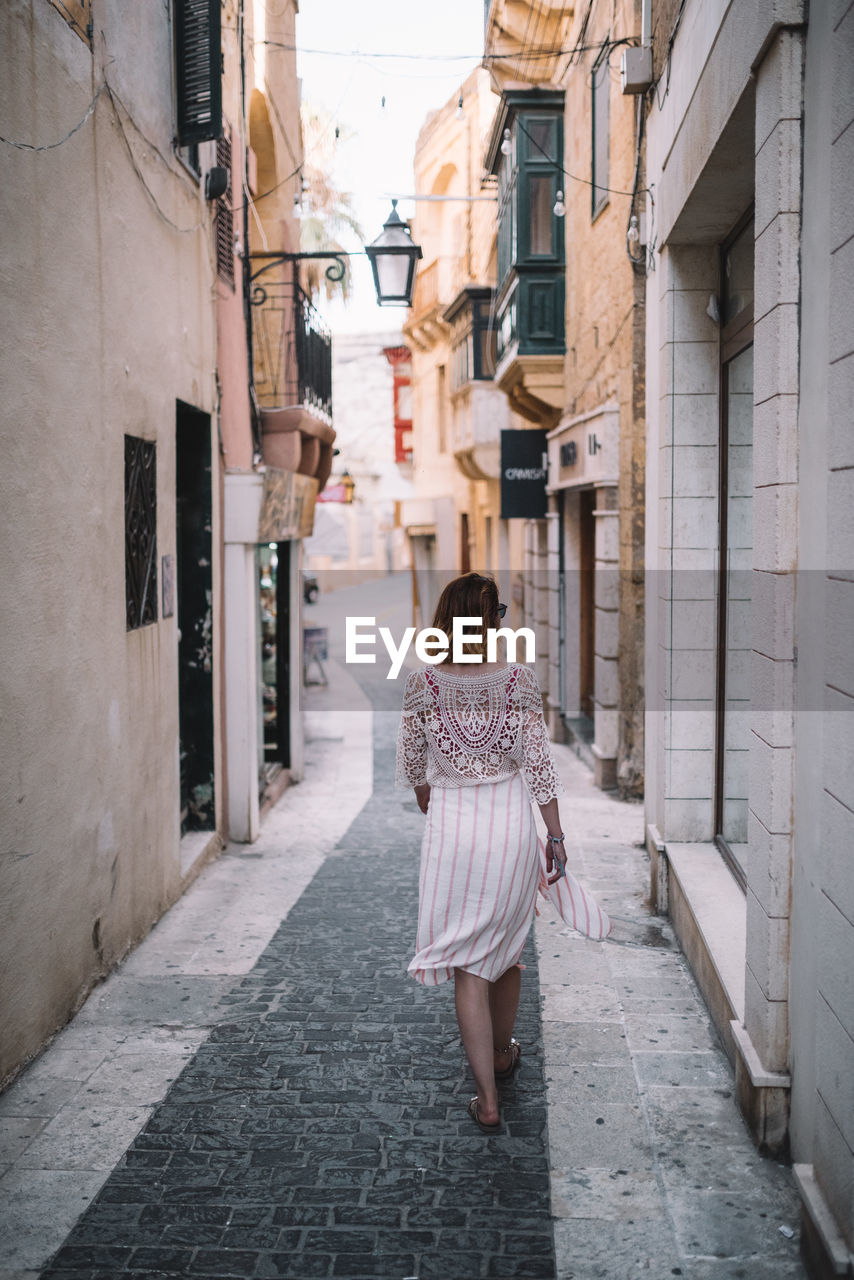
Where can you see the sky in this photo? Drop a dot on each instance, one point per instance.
(434, 47)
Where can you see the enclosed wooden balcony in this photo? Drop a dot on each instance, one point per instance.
(524, 152)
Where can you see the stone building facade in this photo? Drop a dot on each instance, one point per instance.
(357, 536)
(130, 727)
(453, 522)
(750, 557)
(568, 153)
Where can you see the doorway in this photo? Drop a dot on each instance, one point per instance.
(587, 600)
(274, 746)
(194, 556)
(465, 543)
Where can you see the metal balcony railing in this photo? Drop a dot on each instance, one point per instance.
(293, 349)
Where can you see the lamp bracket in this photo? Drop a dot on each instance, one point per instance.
(334, 272)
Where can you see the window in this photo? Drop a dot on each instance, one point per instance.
(735, 576)
(541, 204)
(473, 336)
(140, 532)
(441, 408)
(198, 66)
(525, 153)
(190, 156)
(225, 216)
(506, 216)
(601, 89)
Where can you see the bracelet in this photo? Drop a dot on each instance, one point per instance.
(556, 839)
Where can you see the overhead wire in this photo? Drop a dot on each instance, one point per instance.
(665, 70)
(522, 42)
(533, 54)
(572, 176)
(49, 146)
(114, 99)
(311, 150)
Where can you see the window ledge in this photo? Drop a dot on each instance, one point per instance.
(197, 848)
(719, 911)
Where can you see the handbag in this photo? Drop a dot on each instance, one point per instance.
(575, 905)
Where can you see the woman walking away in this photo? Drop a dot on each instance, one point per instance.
(474, 745)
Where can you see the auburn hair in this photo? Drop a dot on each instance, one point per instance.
(472, 595)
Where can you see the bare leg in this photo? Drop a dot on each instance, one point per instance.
(503, 1005)
(471, 996)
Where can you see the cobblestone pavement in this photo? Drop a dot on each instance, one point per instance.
(321, 1129)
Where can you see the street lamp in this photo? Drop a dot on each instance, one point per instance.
(393, 256)
(348, 484)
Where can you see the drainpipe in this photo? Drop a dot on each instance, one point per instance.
(646, 23)
(254, 415)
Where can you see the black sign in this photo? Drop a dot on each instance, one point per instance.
(524, 470)
(568, 454)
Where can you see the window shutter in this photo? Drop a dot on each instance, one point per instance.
(198, 59)
(224, 216)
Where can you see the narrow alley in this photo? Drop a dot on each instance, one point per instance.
(345, 340)
(293, 1105)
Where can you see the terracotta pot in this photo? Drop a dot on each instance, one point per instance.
(309, 456)
(324, 466)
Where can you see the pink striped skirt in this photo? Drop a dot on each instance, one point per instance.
(480, 868)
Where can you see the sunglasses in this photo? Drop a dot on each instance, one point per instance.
(502, 609)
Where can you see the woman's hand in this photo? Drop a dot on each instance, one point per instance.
(555, 860)
(422, 795)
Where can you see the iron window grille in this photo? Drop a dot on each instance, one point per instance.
(198, 63)
(224, 216)
(140, 532)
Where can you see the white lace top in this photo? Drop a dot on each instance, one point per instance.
(457, 731)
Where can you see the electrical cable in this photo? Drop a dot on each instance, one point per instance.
(482, 59)
(572, 176)
(320, 137)
(667, 58)
(49, 146)
(165, 217)
(523, 41)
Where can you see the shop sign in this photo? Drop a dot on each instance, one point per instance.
(333, 493)
(287, 510)
(524, 471)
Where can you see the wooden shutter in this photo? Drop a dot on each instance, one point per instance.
(198, 60)
(224, 215)
(78, 15)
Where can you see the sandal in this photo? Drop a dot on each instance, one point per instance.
(484, 1128)
(515, 1050)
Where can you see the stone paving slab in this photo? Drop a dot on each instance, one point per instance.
(653, 1172)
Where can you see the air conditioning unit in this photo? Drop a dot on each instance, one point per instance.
(636, 69)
